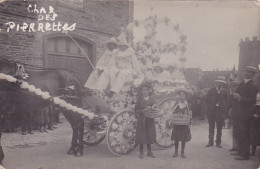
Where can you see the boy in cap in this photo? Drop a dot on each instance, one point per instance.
(244, 100)
(216, 110)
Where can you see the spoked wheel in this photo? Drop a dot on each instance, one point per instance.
(93, 135)
(121, 132)
(163, 132)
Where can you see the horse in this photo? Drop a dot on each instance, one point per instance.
(54, 81)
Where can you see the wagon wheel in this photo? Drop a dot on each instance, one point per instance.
(163, 132)
(93, 135)
(121, 132)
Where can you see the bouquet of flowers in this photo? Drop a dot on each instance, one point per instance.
(152, 111)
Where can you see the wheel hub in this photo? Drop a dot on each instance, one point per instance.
(128, 132)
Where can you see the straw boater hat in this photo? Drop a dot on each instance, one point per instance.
(251, 69)
(221, 79)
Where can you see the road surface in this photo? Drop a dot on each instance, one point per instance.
(48, 151)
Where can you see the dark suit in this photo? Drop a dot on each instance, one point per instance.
(216, 112)
(1, 149)
(242, 111)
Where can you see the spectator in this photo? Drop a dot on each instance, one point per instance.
(244, 100)
(216, 110)
(8, 118)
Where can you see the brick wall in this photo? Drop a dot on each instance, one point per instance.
(96, 21)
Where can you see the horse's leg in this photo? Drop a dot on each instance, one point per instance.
(24, 125)
(73, 146)
(80, 131)
(29, 121)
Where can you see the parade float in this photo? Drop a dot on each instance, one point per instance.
(161, 64)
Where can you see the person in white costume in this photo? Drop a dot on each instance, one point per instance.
(117, 66)
(96, 80)
(125, 67)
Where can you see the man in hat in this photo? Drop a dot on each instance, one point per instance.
(244, 99)
(216, 110)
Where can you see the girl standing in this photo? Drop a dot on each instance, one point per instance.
(145, 130)
(181, 121)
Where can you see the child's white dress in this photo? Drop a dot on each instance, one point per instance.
(118, 67)
(127, 69)
(95, 80)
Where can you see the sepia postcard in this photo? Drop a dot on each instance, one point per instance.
(129, 84)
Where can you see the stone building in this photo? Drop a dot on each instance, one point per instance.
(249, 54)
(96, 22)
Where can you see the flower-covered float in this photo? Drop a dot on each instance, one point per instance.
(161, 63)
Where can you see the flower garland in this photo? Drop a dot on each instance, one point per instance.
(47, 96)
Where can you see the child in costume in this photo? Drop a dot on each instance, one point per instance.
(98, 80)
(125, 67)
(181, 130)
(117, 66)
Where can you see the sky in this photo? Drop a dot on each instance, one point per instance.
(213, 28)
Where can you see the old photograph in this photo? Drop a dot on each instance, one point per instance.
(129, 84)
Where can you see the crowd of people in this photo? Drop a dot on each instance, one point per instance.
(41, 119)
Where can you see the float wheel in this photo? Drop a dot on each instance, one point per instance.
(121, 131)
